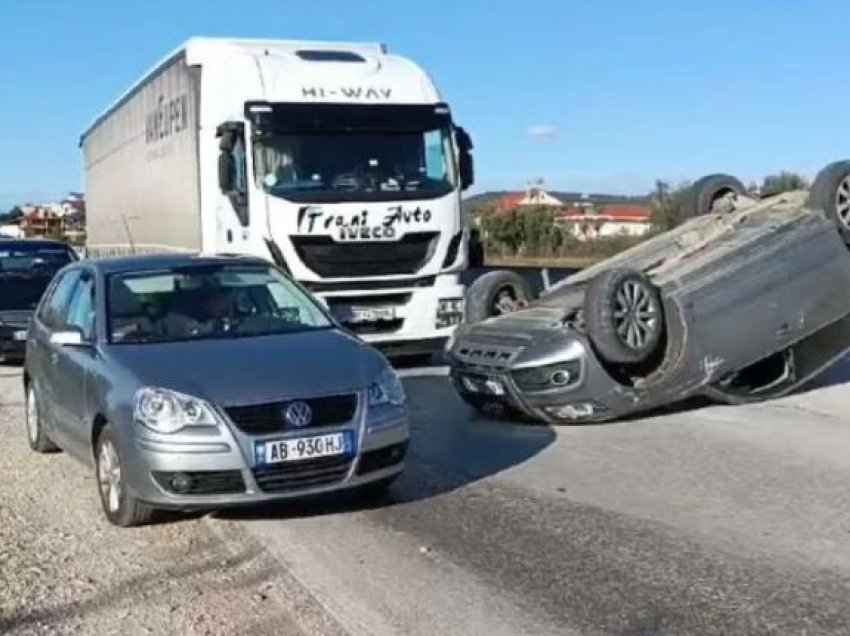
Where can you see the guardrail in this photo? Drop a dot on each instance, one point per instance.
(538, 278)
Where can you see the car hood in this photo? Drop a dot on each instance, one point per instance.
(253, 370)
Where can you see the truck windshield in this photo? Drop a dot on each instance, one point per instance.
(355, 166)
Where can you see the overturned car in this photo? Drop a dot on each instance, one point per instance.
(746, 300)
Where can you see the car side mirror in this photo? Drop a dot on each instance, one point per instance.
(466, 166)
(68, 338)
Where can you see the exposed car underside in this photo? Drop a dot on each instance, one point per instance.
(743, 302)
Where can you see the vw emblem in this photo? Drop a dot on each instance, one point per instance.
(298, 414)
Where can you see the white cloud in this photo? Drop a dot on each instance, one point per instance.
(542, 131)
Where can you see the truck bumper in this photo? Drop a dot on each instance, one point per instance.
(410, 321)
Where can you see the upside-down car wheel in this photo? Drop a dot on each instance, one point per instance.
(624, 316)
(830, 192)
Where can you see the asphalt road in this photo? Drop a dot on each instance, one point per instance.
(718, 520)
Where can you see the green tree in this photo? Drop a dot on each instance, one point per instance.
(667, 206)
(783, 182)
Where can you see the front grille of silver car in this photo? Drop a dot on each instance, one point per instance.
(489, 356)
(303, 474)
(260, 419)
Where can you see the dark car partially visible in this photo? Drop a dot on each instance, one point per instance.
(26, 269)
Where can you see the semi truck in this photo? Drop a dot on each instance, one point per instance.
(339, 162)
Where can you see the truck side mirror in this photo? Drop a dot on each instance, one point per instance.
(466, 166)
(232, 168)
(226, 171)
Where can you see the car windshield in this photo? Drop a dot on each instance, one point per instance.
(26, 270)
(207, 302)
(327, 166)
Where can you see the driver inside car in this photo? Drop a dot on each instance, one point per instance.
(203, 311)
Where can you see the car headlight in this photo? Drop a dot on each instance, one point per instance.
(387, 389)
(166, 411)
(553, 376)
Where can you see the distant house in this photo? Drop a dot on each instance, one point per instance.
(614, 219)
(63, 219)
(533, 196)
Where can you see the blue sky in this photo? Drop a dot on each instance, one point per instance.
(602, 96)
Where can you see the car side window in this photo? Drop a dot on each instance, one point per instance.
(81, 310)
(55, 306)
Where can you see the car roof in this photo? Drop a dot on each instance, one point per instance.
(144, 262)
(11, 243)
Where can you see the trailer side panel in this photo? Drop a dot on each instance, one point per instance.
(141, 167)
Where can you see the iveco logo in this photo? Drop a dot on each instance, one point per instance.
(298, 414)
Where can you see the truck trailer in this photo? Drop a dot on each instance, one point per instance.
(339, 162)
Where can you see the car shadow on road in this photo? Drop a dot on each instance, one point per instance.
(451, 447)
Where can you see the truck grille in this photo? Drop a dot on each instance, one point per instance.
(258, 419)
(372, 300)
(303, 474)
(329, 259)
(381, 326)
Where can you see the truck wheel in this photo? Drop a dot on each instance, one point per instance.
(830, 192)
(624, 316)
(496, 293)
(713, 193)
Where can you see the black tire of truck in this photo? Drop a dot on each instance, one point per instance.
(705, 192)
(624, 317)
(496, 293)
(830, 192)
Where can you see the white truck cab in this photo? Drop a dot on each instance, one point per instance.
(340, 162)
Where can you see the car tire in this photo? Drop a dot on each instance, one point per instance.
(624, 316)
(830, 192)
(484, 294)
(119, 506)
(702, 196)
(37, 438)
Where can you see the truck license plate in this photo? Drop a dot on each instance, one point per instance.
(19, 335)
(372, 314)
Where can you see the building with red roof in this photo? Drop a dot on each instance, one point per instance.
(613, 219)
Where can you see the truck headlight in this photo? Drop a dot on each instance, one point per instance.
(166, 411)
(387, 389)
(449, 312)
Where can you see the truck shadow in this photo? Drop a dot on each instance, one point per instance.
(450, 448)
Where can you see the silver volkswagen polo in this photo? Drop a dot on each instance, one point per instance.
(203, 382)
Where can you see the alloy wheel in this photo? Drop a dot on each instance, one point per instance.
(635, 315)
(109, 476)
(842, 201)
(32, 416)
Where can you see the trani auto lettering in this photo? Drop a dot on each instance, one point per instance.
(312, 218)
